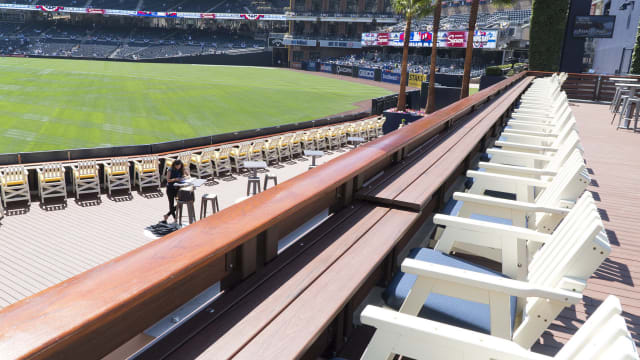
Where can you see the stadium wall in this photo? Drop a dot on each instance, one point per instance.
(263, 58)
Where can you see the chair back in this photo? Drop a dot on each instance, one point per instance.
(85, 168)
(569, 183)
(257, 145)
(52, 171)
(297, 137)
(576, 249)
(242, 149)
(207, 154)
(603, 336)
(150, 163)
(119, 165)
(285, 139)
(13, 174)
(185, 157)
(565, 150)
(224, 152)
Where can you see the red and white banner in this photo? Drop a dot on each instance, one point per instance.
(47, 8)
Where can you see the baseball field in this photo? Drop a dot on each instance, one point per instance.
(50, 104)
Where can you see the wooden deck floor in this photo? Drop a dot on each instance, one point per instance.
(613, 160)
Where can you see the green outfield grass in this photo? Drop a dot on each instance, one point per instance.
(61, 104)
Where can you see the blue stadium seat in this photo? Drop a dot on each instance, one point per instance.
(454, 311)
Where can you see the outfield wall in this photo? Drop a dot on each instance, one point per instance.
(263, 58)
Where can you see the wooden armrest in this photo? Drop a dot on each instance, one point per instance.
(520, 179)
(489, 227)
(487, 282)
(495, 151)
(514, 131)
(525, 146)
(521, 170)
(506, 203)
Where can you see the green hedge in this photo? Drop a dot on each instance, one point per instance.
(500, 70)
(635, 60)
(548, 22)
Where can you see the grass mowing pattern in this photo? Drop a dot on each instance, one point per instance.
(51, 104)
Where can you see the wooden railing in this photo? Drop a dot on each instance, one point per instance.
(93, 313)
(591, 87)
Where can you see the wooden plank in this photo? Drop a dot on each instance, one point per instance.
(297, 327)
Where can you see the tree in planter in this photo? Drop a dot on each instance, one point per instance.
(431, 97)
(411, 9)
(473, 18)
(635, 59)
(548, 22)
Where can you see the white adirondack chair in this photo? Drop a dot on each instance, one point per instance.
(221, 160)
(342, 135)
(535, 144)
(86, 178)
(556, 276)
(116, 175)
(184, 156)
(604, 336)
(473, 236)
(146, 172)
(573, 176)
(239, 155)
(372, 131)
(550, 162)
(540, 127)
(203, 163)
(14, 184)
(51, 181)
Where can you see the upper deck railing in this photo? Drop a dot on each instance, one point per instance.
(93, 313)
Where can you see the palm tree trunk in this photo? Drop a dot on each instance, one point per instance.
(402, 95)
(473, 17)
(431, 97)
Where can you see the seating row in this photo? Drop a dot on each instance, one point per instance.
(527, 210)
(51, 181)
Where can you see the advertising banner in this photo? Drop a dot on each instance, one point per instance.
(453, 39)
(391, 77)
(457, 39)
(300, 42)
(415, 80)
(276, 43)
(485, 39)
(367, 73)
(340, 44)
(328, 68)
(594, 26)
(311, 66)
(345, 70)
(296, 65)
